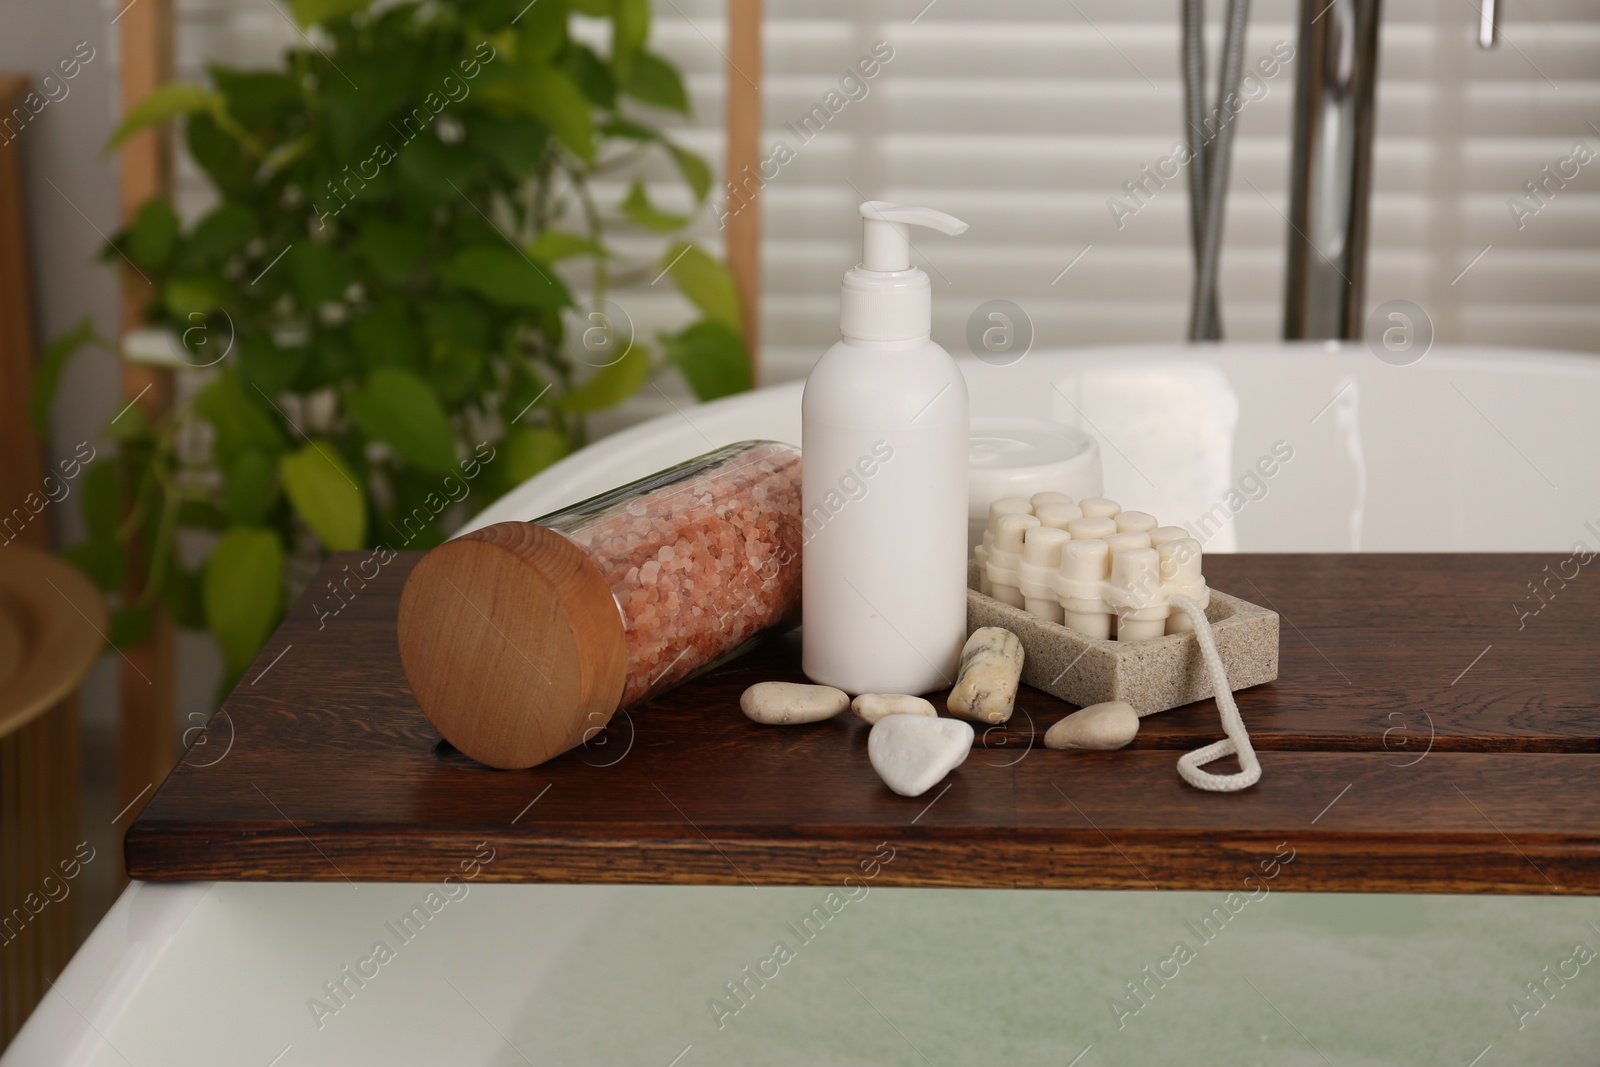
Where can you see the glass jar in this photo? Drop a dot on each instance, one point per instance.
(522, 638)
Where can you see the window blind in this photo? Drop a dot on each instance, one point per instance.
(1026, 118)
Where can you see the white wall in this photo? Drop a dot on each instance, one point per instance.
(70, 192)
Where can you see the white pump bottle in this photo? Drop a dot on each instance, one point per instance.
(884, 440)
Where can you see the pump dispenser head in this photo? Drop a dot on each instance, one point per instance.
(885, 244)
(885, 298)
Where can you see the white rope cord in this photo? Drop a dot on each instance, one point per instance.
(1237, 743)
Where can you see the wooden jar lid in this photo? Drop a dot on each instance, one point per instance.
(512, 643)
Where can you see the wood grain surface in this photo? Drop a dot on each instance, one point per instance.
(1417, 740)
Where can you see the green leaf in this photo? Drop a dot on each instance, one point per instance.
(636, 205)
(655, 81)
(517, 142)
(542, 30)
(221, 233)
(712, 357)
(165, 102)
(527, 450)
(430, 166)
(241, 591)
(129, 426)
(47, 378)
(202, 515)
(252, 488)
(705, 281)
(257, 97)
(695, 170)
(591, 75)
(391, 249)
(191, 298)
(386, 336)
(129, 626)
(564, 107)
(102, 501)
(148, 240)
(633, 131)
(505, 276)
(552, 246)
(631, 22)
(239, 420)
(454, 373)
(267, 369)
(457, 320)
(100, 559)
(610, 385)
(312, 12)
(182, 597)
(397, 407)
(318, 273)
(324, 493)
(221, 156)
(524, 391)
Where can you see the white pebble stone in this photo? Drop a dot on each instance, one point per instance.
(1098, 726)
(790, 703)
(912, 753)
(991, 667)
(874, 706)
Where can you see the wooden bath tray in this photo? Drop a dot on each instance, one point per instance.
(1423, 735)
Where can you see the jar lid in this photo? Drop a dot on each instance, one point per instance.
(1011, 456)
(512, 643)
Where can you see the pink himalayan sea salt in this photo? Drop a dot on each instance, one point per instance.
(700, 558)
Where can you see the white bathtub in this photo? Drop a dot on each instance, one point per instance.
(1467, 450)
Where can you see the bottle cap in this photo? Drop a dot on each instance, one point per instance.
(885, 298)
(512, 643)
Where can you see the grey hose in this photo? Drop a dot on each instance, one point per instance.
(1194, 114)
(1205, 322)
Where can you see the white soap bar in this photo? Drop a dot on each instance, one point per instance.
(1090, 566)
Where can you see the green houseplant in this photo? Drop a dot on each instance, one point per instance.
(380, 300)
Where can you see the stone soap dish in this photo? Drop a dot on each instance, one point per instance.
(1152, 675)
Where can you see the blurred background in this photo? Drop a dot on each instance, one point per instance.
(1037, 122)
